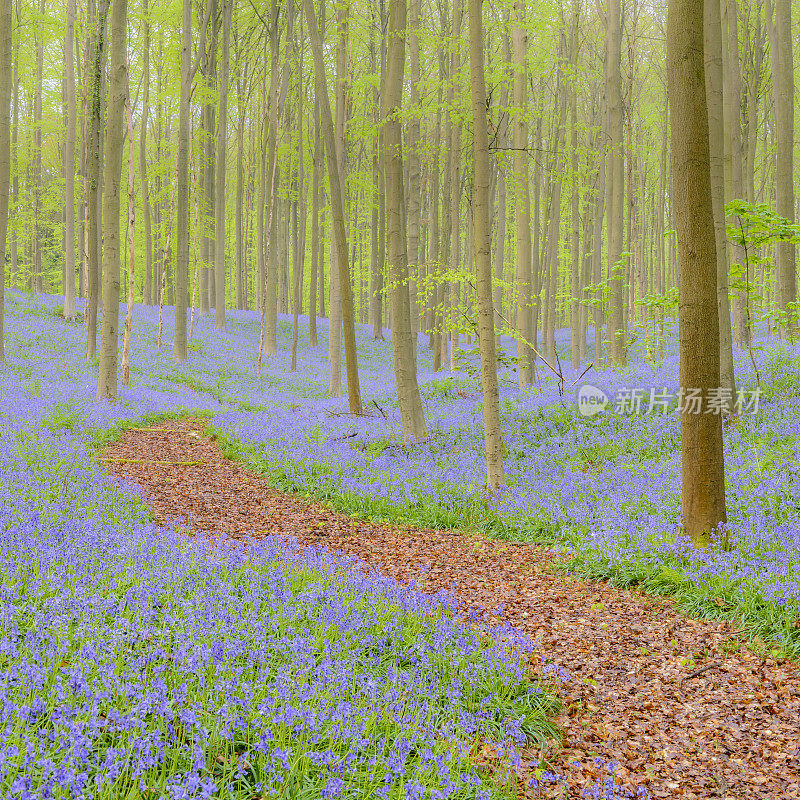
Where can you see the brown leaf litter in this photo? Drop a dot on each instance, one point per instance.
(685, 707)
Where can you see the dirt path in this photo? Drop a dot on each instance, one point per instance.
(684, 708)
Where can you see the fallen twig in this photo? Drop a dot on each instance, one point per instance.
(701, 671)
(582, 374)
(380, 409)
(344, 436)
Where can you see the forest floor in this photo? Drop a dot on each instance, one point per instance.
(686, 707)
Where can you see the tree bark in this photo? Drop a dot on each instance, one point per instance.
(299, 236)
(13, 259)
(93, 195)
(435, 270)
(499, 187)
(336, 287)
(597, 265)
(126, 340)
(413, 158)
(6, 78)
(337, 207)
(315, 231)
(403, 344)
(522, 199)
(575, 216)
(182, 178)
(447, 188)
(241, 247)
(783, 89)
(112, 190)
(222, 147)
(455, 234)
(376, 260)
(270, 341)
(36, 242)
(615, 181)
(495, 478)
(69, 166)
(146, 214)
(732, 108)
(713, 75)
(261, 274)
(703, 496)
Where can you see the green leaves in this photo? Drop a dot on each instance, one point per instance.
(756, 224)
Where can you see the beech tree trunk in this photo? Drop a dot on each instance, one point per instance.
(703, 496)
(208, 186)
(222, 147)
(6, 76)
(500, 190)
(112, 190)
(336, 288)
(615, 185)
(315, 231)
(241, 244)
(377, 254)
(182, 182)
(69, 166)
(575, 215)
(36, 278)
(597, 265)
(149, 281)
(403, 344)
(126, 339)
(299, 227)
(270, 340)
(447, 188)
(455, 234)
(337, 208)
(522, 198)
(482, 230)
(413, 159)
(732, 108)
(94, 195)
(434, 339)
(713, 75)
(261, 275)
(783, 90)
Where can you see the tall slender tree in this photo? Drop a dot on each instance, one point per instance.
(69, 165)
(716, 128)
(522, 196)
(337, 210)
(222, 151)
(188, 70)
(6, 74)
(732, 110)
(482, 247)
(703, 493)
(149, 282)
(93, 170)
(403, 345)
(783, 89)
(615, 184)
(112, 183)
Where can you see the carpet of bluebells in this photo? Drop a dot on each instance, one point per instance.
(133, 657)
(136, 661)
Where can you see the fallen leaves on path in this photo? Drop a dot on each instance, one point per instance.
(685, 708)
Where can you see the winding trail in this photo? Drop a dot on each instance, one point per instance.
(686, 708)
